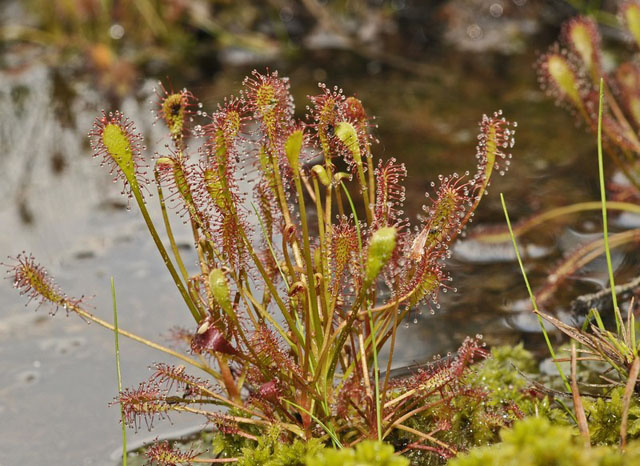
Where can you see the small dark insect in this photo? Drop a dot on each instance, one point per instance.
(175, 109)
(330, 130)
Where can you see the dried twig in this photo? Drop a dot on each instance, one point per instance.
(626, 400)
(577, 400)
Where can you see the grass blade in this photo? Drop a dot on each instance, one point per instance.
(329, 431)
(115, 332)
(603, 200)
(531, 296)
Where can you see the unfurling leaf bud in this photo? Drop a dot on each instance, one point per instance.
(381, 246)
(349, 137)
(338, 177)
(292, 148)
(164, 163)
(297, 287)
(220, 290)
(269, 391)
(321, 173)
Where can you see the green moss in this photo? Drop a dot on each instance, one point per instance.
(367, 453)
(231, 445)
(498, 375)
(605, 415)
(536, 442)
(271, 451)
(495, 398)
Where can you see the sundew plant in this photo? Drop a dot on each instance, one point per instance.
(571, 70)
(306, 265)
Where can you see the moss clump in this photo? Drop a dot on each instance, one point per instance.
(367, 453)
(605, 416)
(499, 376)
(496, 396)
(271, 451)
(478, 420)
(536, 442)
(229, 445)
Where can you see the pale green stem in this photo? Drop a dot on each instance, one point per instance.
(273, 252)
(532, 297)
(117, 344)
(377, 378)
(168, 229)
(331, 432)
(135, 189)
(603, 198)
(88, 316)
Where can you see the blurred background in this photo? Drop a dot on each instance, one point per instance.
(428, 70)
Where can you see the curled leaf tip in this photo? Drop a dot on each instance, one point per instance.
(220, 290)
(348, 134)
(381, 246)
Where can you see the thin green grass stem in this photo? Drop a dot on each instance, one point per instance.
(331, 432)
(306, 250)
(531, 296)
(376, 377)
(169, 230)
(117, 343)
(603, 198)
(273, 252)
(163, 252)
(593, 313)
(632, 332)
(355, 217)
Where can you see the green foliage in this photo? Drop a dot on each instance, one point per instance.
(367, 453)
(605, 415)
(288, 355)
(270, 450)
(536, 442)
(382, 244)
(232, 445)
(499, 376)
(277, 323)
(497, 396)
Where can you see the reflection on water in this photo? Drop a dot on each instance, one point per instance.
(58, 375)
